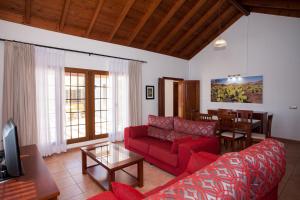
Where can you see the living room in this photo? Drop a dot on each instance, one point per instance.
(117, 52)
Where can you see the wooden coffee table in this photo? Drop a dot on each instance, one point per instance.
(111, 160)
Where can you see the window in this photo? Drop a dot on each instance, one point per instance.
(86, 104)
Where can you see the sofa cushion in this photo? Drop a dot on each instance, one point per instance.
(143, 143)
(125, 192)
(166, 123)
(199, 160)
(201, 128)
(178, 141)
(158, 132)
(162, 153)
(226, 178)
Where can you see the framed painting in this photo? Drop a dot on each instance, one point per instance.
(150, 92)
(237, 89)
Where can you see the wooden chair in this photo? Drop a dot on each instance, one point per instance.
(224, 111)
(227, 127)
(257, 137)
(244, 123)
(203, 117)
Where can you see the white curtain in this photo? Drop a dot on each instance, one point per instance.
(118, 93)
(50, 100)
(135, 93)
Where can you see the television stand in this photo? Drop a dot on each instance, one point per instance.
(36, 183)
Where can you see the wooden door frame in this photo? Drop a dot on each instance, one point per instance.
(161, 93)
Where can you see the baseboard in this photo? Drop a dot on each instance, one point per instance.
(287, 140)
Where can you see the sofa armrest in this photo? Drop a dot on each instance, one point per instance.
(206, 144)
(134, 132)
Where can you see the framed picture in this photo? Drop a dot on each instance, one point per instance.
(149, 92)
(247, 89)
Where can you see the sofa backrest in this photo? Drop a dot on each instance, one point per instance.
(226, 178)
(199, 128)
(249, 174)
(166, 123)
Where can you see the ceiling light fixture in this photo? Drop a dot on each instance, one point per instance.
(220, 42)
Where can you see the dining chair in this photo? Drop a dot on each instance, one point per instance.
(227, 127)
(203, 117)
(257, 137)
(244, 124)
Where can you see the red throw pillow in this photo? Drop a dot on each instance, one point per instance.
(103, 195)
(199, 160)
(125, 192)
(176, 142)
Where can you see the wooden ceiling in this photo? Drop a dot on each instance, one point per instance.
(179, 28)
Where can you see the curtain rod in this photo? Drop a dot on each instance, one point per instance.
(72, 50)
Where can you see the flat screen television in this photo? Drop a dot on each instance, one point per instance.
(11, 150)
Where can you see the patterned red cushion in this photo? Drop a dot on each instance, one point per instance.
(166, 123)
(177, 142)
(175, 135)
(199, 160)
(125, 192)
(194, 127)
(158, 133)
(266, 163)
(226, 178)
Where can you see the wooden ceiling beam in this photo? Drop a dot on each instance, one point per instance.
(166, 19)
(27, 15)
(180, 24)
(197, 26)
(239, 7)
(276, 4)
(121, 18)
(277, 11)
(64, 14)
(211, 32)
(95, 16)
(143, 21)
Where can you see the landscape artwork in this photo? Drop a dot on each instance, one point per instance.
(237, 89)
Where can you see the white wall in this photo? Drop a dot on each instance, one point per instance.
(274, 52)
(158, 65)
(169, 102)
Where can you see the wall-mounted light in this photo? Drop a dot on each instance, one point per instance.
(235, 77)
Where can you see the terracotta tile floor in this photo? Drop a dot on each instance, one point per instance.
(66, 171)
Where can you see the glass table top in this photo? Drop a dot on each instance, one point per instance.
(111, 154)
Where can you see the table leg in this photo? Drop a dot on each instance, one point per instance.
(84, 164)
(140, 174)
(111, 178)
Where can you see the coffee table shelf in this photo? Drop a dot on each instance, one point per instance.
(111, 160)
(101, 177)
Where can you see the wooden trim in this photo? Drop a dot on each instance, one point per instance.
(182, 22)
(284, 140)
(64, 14)
(197, 26)
(143, 21)
(95, 16)
(172, 78)
(276, 4)
(124, 12)
(239, 7)
(161, 97)
(27, 15)
(170, 14)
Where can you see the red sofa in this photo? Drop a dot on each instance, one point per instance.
(253, 173)
(167, 142)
